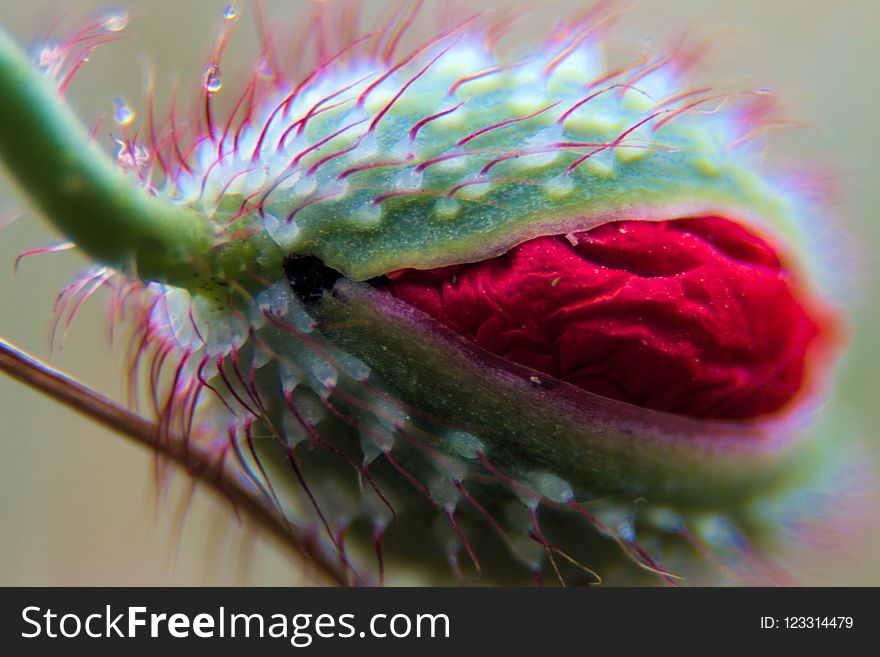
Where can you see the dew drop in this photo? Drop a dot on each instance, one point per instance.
(229, 12)
(211, 79)
(123, 114)
(114, 19)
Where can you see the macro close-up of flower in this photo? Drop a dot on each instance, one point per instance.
(439, 294)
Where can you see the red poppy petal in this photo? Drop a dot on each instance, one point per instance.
(692, 316)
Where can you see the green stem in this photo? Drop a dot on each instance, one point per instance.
(81, 191)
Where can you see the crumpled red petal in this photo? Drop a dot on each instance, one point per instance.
(692, 316)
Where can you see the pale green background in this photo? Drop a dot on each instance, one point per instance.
(77, 505)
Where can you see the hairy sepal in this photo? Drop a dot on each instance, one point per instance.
(397, 424)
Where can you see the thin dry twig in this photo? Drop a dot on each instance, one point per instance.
(194, 460)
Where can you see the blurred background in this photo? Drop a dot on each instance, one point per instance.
(77, 503)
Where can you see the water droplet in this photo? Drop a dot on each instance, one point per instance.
(114, 19)
(229, 12)
(211, 79)
(123, 114)
(765, 91)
